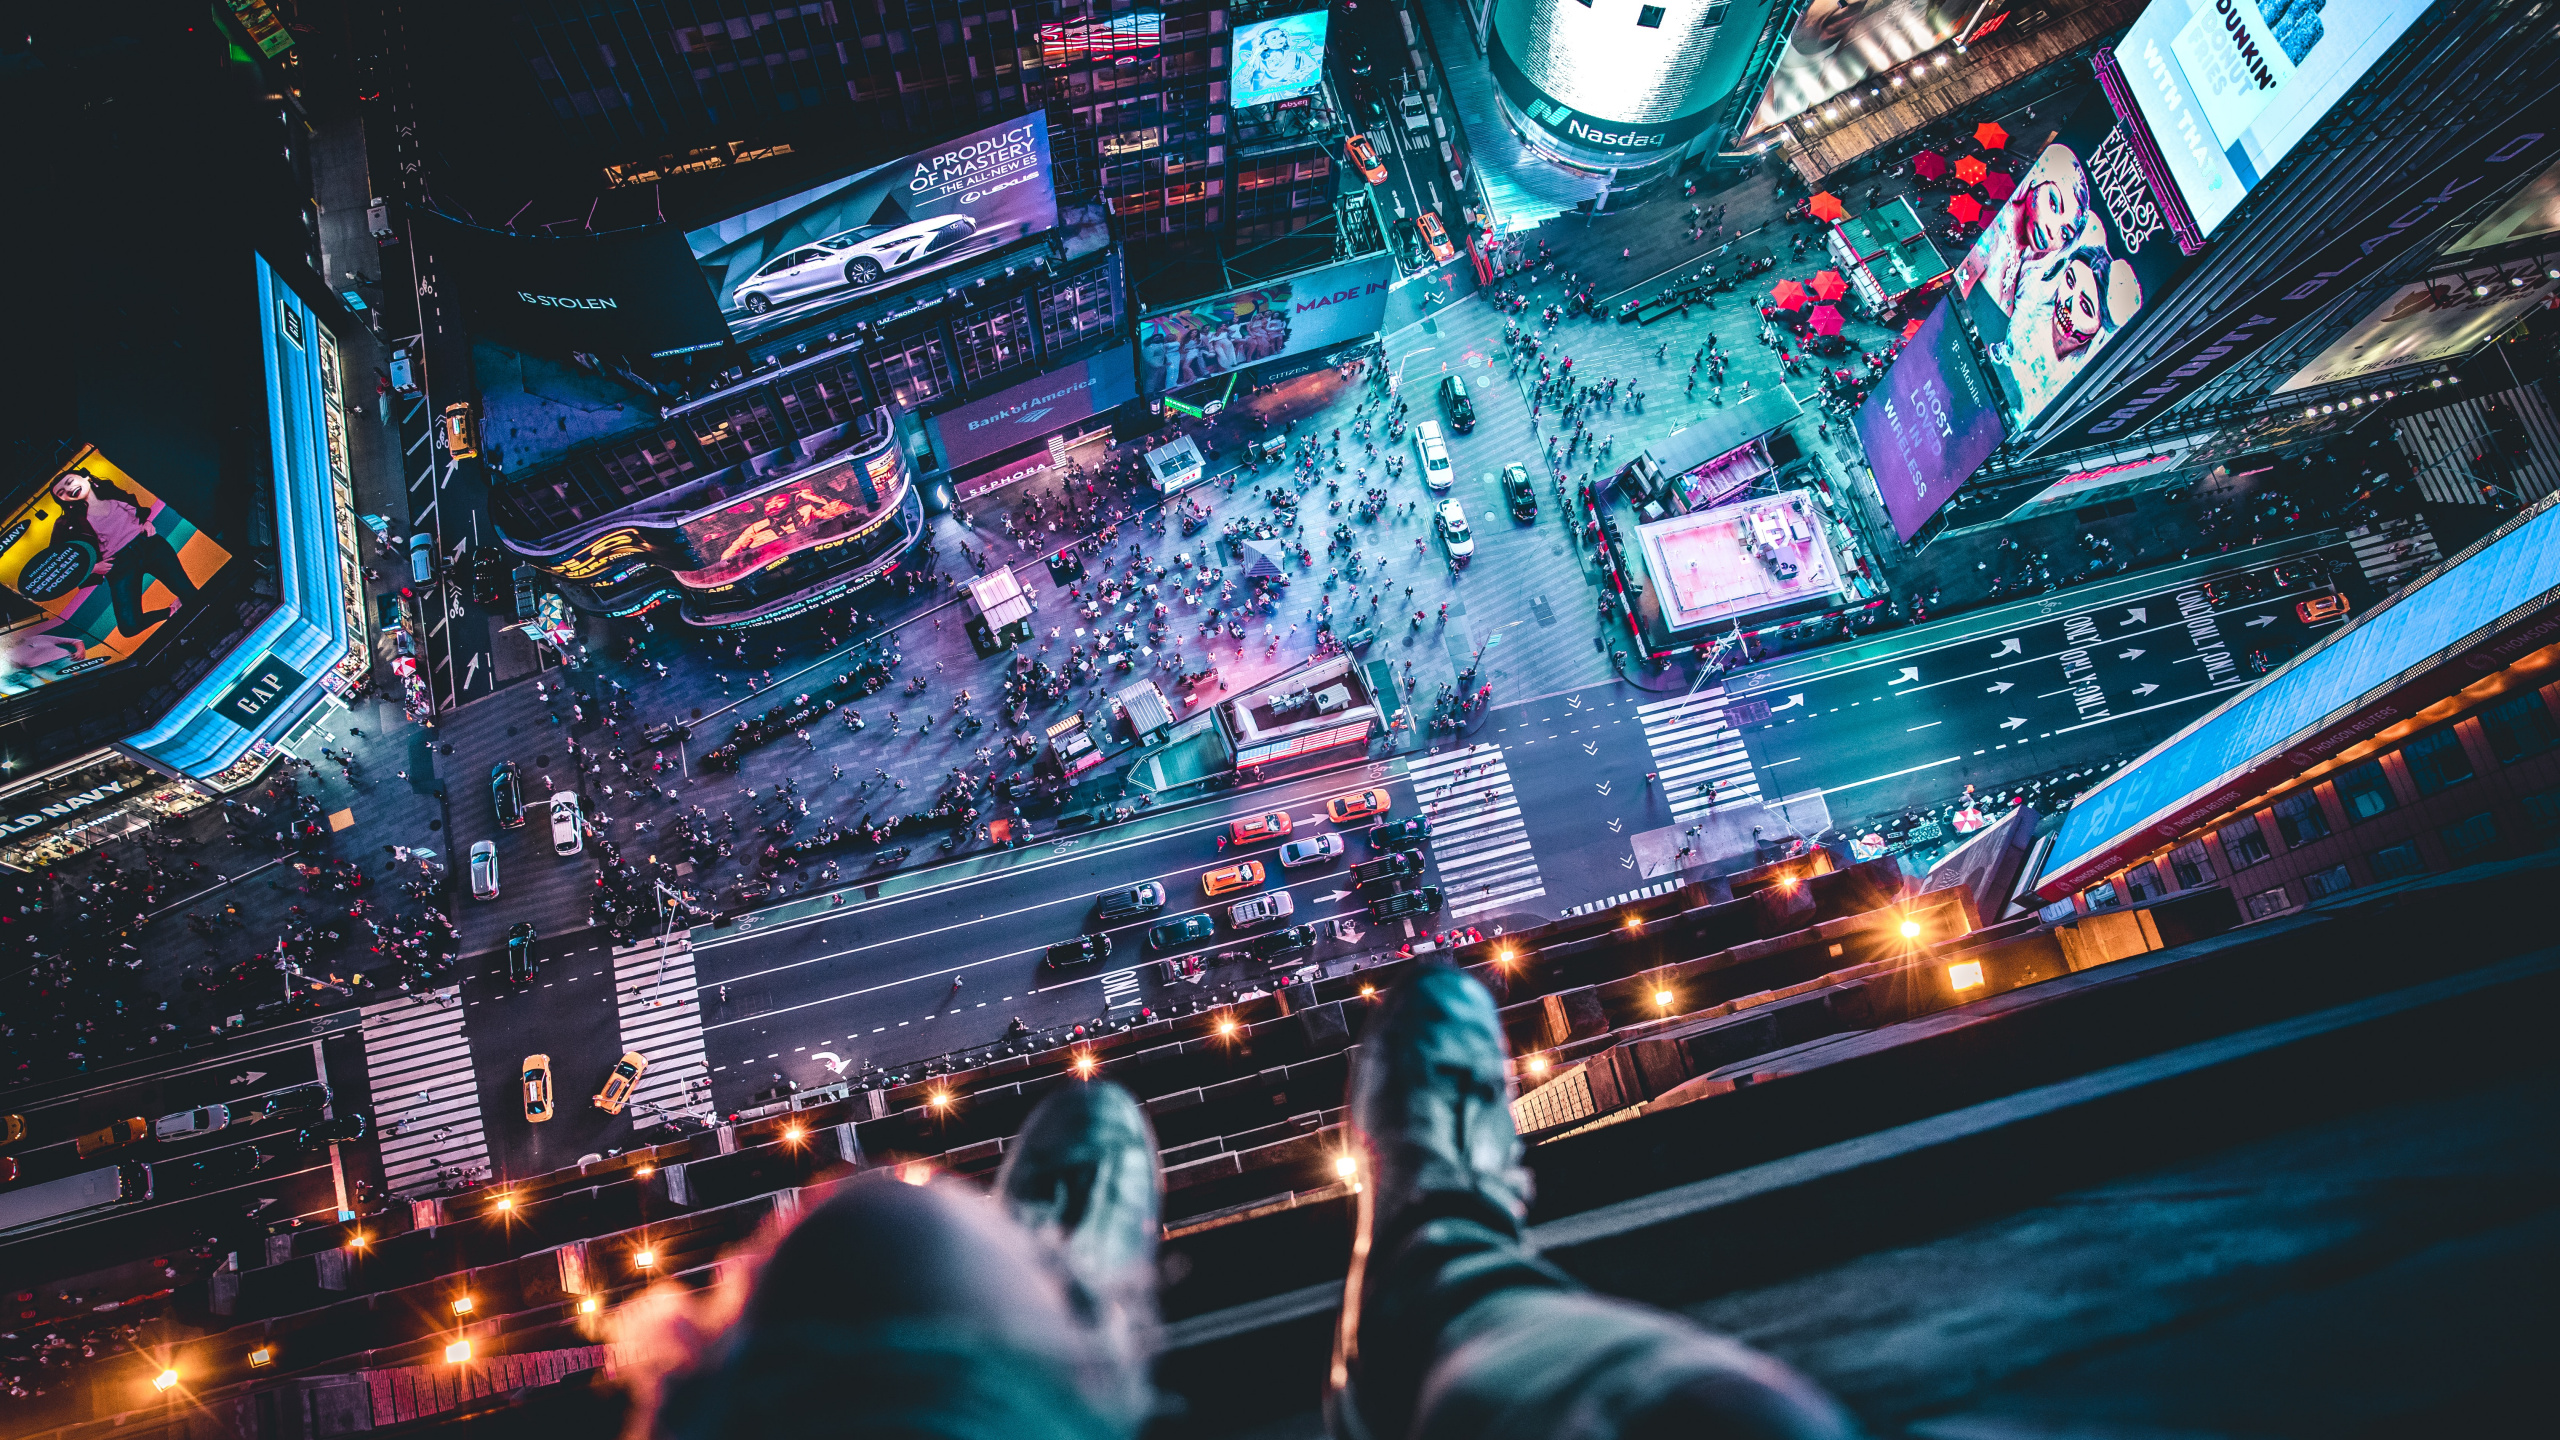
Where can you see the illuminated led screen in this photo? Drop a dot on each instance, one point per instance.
(1276, 59)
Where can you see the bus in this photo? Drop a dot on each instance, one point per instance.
(29, 1207)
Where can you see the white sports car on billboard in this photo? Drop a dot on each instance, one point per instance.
(860, 257)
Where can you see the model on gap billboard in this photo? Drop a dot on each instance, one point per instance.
(2062, 267)
(104, 562)
(806, 255)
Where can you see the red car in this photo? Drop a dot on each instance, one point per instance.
(1364, 158)
(1435, 236)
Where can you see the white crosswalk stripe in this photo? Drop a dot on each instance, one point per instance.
(1120, 990)
(1663, 888)
(2393, 552)
(425, 1095)
(1697, 758)
(661, 1017)
(1479, 844)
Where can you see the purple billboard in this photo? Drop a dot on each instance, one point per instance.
(1036, 408)
(1931, 425)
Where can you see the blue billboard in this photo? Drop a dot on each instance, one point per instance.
(1278, 59)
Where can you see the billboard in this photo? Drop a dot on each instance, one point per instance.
(1837, 43)
(622, 292)
(2229, 86)
(2442, 319)
(833, 502)
(2069, 261)
(2528, 214)
(806, 256)
(1930, 425)
(1276, 59)
(1313, 310)
(100, 563)
(2362, 240)
(1619, 82)
(1036, 407)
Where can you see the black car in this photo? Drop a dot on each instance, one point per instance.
(1188, 930)
(505, 797)
(1281, 944)
(1520, 491)
(1384, 866)
(522, 966)
(1419, 904)
(1384, 886)
(209, 1171)
(355, 1126)
(1405, 834)
(1083, 950)
(1462, 410)
(1131, 903)
(297, 1101)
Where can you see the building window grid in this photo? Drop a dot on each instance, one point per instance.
(2436, 761)
(993, 340)
(747, 427)
(2321, 884)
(2469, 839)
(910, 371)
(2142, 883)
(2364, 792)
(2191, 865)
(2243, 843)
(1078, 309)
(2300, 820)
(2266, 903)
(2518, 727)
(2393, 861)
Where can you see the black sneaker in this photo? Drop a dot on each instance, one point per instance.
(1428, 1124)
(1084, 1176)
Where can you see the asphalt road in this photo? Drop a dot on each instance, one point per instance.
(2019, 690)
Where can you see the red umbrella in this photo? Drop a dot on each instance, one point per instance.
(1911, 328)
(1827, 206)
(1789, 295)
(1965, 208)
(1990, 136)
(1930, 164)
(1970, 169)
(1824, 320)
(1829, 286)
(1998, 185)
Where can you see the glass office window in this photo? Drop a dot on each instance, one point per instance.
(2243, 844)
(2393, 861)
(2436, 761)
(2325, 883)
(2300, 820)
(2143, 883)
(2191, 865)
(2518, 726)
(2364, 791)
(2469, 840)
(2266, 903)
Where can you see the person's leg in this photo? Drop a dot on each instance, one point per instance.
(1450, 1326)
(134, 567)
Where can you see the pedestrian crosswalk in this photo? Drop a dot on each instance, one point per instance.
(425, 1095)
(1120, 990)
(1648, 892)
(1478, 842)
(661, 1017)
(2395, 551)
(1697, 758)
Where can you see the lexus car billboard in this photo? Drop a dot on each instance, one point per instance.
(2069, 261)
(2229, 86)
(1277, 59)
(1309, 311)
(97, 562)
(1930, 425)
(804, 256)
(627, 291)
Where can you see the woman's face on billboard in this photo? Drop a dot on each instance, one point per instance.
(72, 487)
(2076, 303)
(2053, 213)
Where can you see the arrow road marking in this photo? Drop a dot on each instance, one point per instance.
(2012, 723)
(2262, 620)
(1617, 826)
(1333, 896)
(1626, 862)
(2134, 615)
(249, 1077)
(2144, 689)
(1573, 702)
(1909, 673)
(834, 1061)
(2130, 653)
(2010, 646)
(1602, 787)
(1591, 747)
(471, 672)
(2003, 685)
(1791, 702)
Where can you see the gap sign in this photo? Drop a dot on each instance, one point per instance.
(249, 703)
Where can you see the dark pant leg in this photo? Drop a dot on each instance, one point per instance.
(1484, 1341)
(134, 567)
(908, 1311)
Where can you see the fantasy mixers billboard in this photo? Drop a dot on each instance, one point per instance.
(1242, 328)
(809, 255)
(2229, 86)
(2069, 261)
(92, 563)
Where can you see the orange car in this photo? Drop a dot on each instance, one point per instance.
(1240, 876)
(620, 1081)
(1436, 236)
(1343, 809)
(1269, 825)
(2322, 607)
(115, 1136)
(1364, 158)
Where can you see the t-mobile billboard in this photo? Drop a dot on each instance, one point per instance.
(1931, 425)
(1036, 407)
(1314, 310)
(806, 256)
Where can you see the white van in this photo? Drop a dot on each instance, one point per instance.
(1435, 454)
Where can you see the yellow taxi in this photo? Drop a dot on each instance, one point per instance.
(619, 1082)
(1363, 153)
(1243, 875)
(1435, 235)
(114, 1137)
(537, 1088)
(1343, 809)
(1269, 825)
